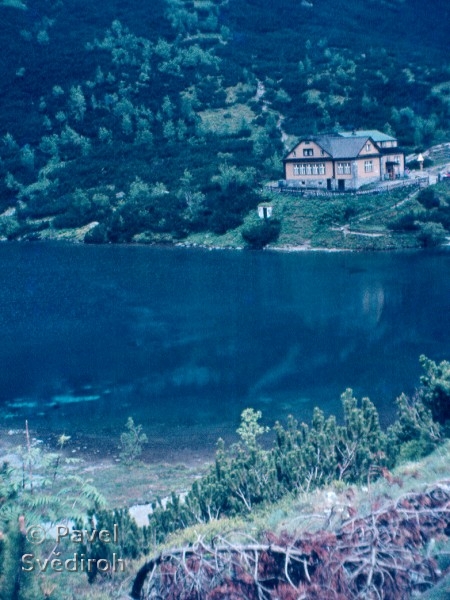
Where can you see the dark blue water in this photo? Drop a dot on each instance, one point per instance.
(184, 340)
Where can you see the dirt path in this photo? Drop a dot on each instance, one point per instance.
(345, 229)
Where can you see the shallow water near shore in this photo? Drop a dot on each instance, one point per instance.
(184, 339)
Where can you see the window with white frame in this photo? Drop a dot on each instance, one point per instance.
(308, 152)
(344, 168)
(368, 166)
(368, 147)
(308, 168)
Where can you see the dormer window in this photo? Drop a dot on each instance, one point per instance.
(308, 152)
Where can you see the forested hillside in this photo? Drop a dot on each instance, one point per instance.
(158, 120)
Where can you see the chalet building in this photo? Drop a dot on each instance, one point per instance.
(343, 161)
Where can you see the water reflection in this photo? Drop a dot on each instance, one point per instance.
(90, 335)
(373, 303)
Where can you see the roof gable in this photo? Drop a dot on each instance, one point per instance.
(313, 143)
(341, 147)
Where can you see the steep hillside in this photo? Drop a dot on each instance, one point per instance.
(161, 121)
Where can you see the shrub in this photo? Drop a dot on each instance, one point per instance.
(83, 210)
(262, 233)
(406, 222)
(130, 543)
(96, 235)
(414, 165)
(436, 388)
(42, 206)
(303, 458)
(427, 197)
(431, 234)
(131, 442)
(220, 222)
(414, 434)
(70, 220)
(442, 215)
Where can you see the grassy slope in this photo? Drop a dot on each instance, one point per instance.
(344, 222)
(308, 511)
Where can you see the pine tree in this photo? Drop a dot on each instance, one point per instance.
(436, 388)
(131, 442)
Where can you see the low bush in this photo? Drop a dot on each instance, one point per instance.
(262, 233)
(428, 198)
(305, 457)
(96, 235)
(407, 222)
(436, 388)
(431, 234)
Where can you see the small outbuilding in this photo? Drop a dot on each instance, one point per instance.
(265, 210)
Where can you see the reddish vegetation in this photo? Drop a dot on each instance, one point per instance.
(376, 557)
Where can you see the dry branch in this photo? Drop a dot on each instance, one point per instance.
(379, 556)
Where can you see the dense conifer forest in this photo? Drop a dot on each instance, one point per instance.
(157, 121)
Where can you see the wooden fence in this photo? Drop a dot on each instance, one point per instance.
(418, 182)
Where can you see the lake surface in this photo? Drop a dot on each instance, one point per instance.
(183, 340)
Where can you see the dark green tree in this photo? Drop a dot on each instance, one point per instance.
(414, 433)
(436, 388)
(428, 198)
(261, 233)
(431, 234)
(361, 442)
(131, 442)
